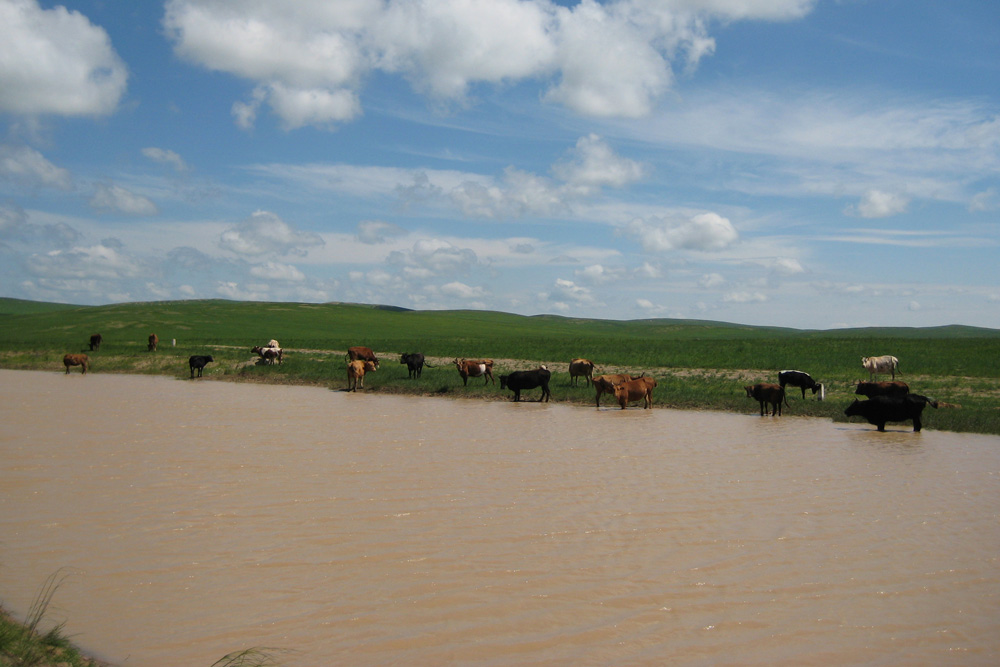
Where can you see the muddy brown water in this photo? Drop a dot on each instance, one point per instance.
(195, 518)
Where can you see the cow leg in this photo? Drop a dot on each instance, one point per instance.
(545, 392)
(916, 424)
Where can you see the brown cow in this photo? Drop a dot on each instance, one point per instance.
(81, 360)
(634, 390)
(356, 373)
(475, 368)
(361, 353)
(767, 392)
(605, 384)
(95, 342)
(154, 340)
(872, 389)
(581, 368)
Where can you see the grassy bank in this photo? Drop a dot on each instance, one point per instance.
(699, 365)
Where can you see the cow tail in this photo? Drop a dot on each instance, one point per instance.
(784, 397)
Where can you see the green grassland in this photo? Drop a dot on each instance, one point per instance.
(697, 364)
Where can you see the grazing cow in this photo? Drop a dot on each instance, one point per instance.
(605, 384)
(95, 342)
(581, 368)
(884, 364)
(767, 393)
(361, 353)
(801, 380)
(198, 363)
(356, 373)
(519, 380)
(81, 360)
(634, 390)
(154, 340)
(873, 389)
(881, 409)
(268, 354)
(473, 368)
(414, 363)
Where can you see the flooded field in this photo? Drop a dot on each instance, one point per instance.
(196, 518)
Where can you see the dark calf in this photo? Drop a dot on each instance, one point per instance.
(198, 362)
(767, 393)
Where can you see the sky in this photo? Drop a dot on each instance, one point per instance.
(813, 164)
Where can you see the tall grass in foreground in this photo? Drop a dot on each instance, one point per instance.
(24, 644)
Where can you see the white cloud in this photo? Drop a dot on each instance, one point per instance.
(702, 232)
(594, 164)
(374, 232)
(54, 61)
(597, 274)
(277, 271)
(264, 233)
(309, 60)
(29, 167)
(879, 204)
(434, 256)
(462, 291)
(164, 156)
(99, 262)
(118, 199)
(744, 297)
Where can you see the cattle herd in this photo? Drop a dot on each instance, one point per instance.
(885, 401)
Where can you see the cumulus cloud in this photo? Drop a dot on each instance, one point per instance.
(308, 61)
(120, 200)
(879, 204)
(598, 274)
(27, 166)
(594, 164)
(167, 157)
(264, 233)
(55, 61)
(703, 232)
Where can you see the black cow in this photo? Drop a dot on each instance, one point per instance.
(414, 363)
(198, 362)
(95, 342)
(519, 380)
(881, 409)
(801, 380)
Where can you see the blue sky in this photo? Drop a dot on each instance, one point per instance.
(800, 163)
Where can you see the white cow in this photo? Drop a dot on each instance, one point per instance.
(883, 364)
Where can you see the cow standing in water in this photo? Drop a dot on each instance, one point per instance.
(767, 393)
(882, 409)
